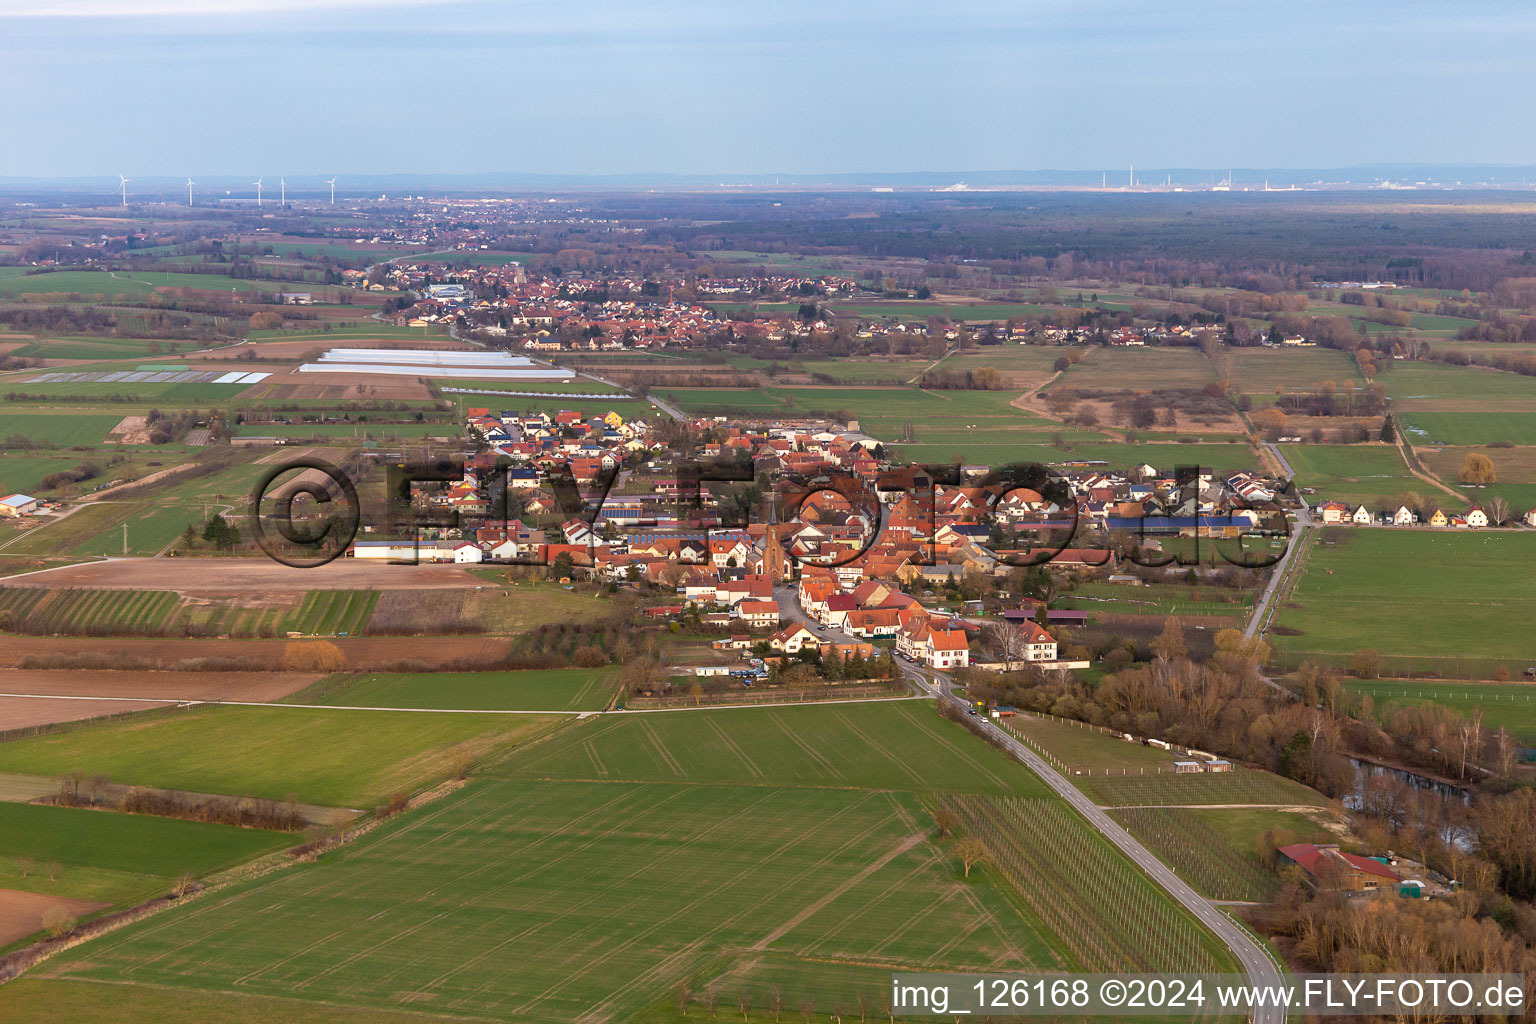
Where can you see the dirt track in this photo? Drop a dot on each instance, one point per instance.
(24, 712)
(246, 576)
(364, 653)
(21, 913)
(178, 685)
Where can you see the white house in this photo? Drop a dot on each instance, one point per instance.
(948, 648)
(1362, 516)
(792, 639)
(504, 551)
(1041, 645)
(758, 613)
(1476, 517)
(1404, 516)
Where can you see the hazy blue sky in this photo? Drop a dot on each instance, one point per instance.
(608, 86)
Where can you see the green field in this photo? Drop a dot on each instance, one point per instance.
(84, 610)
(348, 431)
(1157, 599)
(333, 611)
(1215, 850)
(1468, 428)
(1162, 456)
(1416, 386)
(97, 528)
(123, 284)
(1361, 587)
(1243, 786)
(1259, 371)
(1139, 369)
(552, 901)
(886, 371)
(741, 851)
(570, 387)
(567, 689)
(336, 758)
(897, 744)
(82, 1002)
(102, 348)
(1515, 468)
(1512, 705)
(938, 418)
(52, 428)
(164, 393)
(116, 858)
(1372, 474)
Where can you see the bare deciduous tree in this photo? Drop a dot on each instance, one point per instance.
(970, 851)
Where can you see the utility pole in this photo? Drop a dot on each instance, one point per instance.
(125, 539)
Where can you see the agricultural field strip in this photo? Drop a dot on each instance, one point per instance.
(613, 825)
(189, 702)
(317, 707)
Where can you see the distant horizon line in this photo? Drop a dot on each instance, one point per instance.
(1122, 177)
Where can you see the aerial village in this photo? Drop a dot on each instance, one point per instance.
(818, 540)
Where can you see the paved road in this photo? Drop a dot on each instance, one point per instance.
(1255, 960)
(1253, 957)
(1259, 620)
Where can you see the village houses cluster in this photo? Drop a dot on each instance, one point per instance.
(867, 542)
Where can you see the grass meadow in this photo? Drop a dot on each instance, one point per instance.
(897, 744)
(335, 758)
(556, 901)
(1139, 369)
(1430, 600)
(1372, 474)
(1469, 428)
(49, 428)
(1512, 705)
(116, 858)
(1263, 371)
(97, 529)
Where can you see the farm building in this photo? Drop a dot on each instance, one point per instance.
(1187, 768)
(15, 505)
(1329, 867)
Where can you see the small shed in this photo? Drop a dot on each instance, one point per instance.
(1187, 768)
(1218, 766)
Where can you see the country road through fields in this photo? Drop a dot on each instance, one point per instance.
(1254, 958)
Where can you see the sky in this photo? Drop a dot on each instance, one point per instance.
(595, 87)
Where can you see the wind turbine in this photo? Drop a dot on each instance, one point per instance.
(122, 183)
(190, 183)
(257, 183)
(332, 182)
(282, 185)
